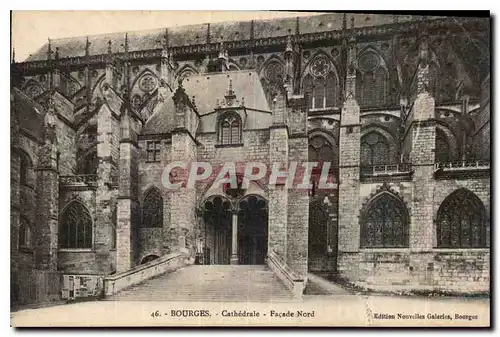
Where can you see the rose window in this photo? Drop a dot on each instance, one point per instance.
(368, 61)
(274, 72)
(320, 67)
(148, 83)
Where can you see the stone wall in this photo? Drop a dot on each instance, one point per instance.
(158, 241)
(183, 200)
(451, 270)
(421, 266)
(298, 213)
(78, 260)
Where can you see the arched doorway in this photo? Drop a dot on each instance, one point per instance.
(217, 218)
(252, 230)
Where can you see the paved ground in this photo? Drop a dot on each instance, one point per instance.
(222, 283)
(252, 295)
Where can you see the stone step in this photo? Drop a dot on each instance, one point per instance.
(210, 283)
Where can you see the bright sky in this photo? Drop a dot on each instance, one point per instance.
(31, 29)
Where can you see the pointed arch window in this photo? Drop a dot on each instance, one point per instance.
(75, 229)
(461, 221)
(320, 84)
(230, 128)
(384, 223)
(24, 233)
(321, 150)
(374, 150)
(371, 80)
(273, 78)
(433, 80)
(25, 167)
(152, 209)
(308, 90)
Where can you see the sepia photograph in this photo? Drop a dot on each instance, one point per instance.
(250, 168)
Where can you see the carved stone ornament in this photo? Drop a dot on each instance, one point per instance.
(148, 83)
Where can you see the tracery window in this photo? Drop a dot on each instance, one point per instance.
(153, 151)
(24, 234)
(374, 150)
(273, 78)
(371, 80)
(75, 229)
(434, 80)
(384, 223)
(148, 83)
(152, 209)
(461, 221)
(230, 129)
(320, 84)
(274, 71)
(24, 168)
(321, 150)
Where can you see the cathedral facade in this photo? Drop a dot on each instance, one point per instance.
(397, 105)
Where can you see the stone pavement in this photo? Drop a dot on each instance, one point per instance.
(248, 283)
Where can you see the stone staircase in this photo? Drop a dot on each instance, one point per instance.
(220, 283)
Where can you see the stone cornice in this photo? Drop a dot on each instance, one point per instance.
(404, 28)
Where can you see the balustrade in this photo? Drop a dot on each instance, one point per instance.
(389, 169)
(80, 179)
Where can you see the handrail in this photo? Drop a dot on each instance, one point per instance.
(294, 282)
(79, 179)
(374, 170)
(139, 274)
(464, 164)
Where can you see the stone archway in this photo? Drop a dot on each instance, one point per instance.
(218, 230)
(252, 230)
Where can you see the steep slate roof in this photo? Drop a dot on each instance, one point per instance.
(162, 119)
(29, 113)
(207, 89)
(196, 34)
(210, 87)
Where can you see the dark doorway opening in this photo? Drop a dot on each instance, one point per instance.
(217, 216)
(252, 230)
(322, 239)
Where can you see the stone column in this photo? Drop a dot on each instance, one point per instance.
(234, 241)
(421, 134)
(102, 228)
(422, 130)
(47, 192)
(349, 203)
(127, 206)
(184, 149)
(349, 161)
